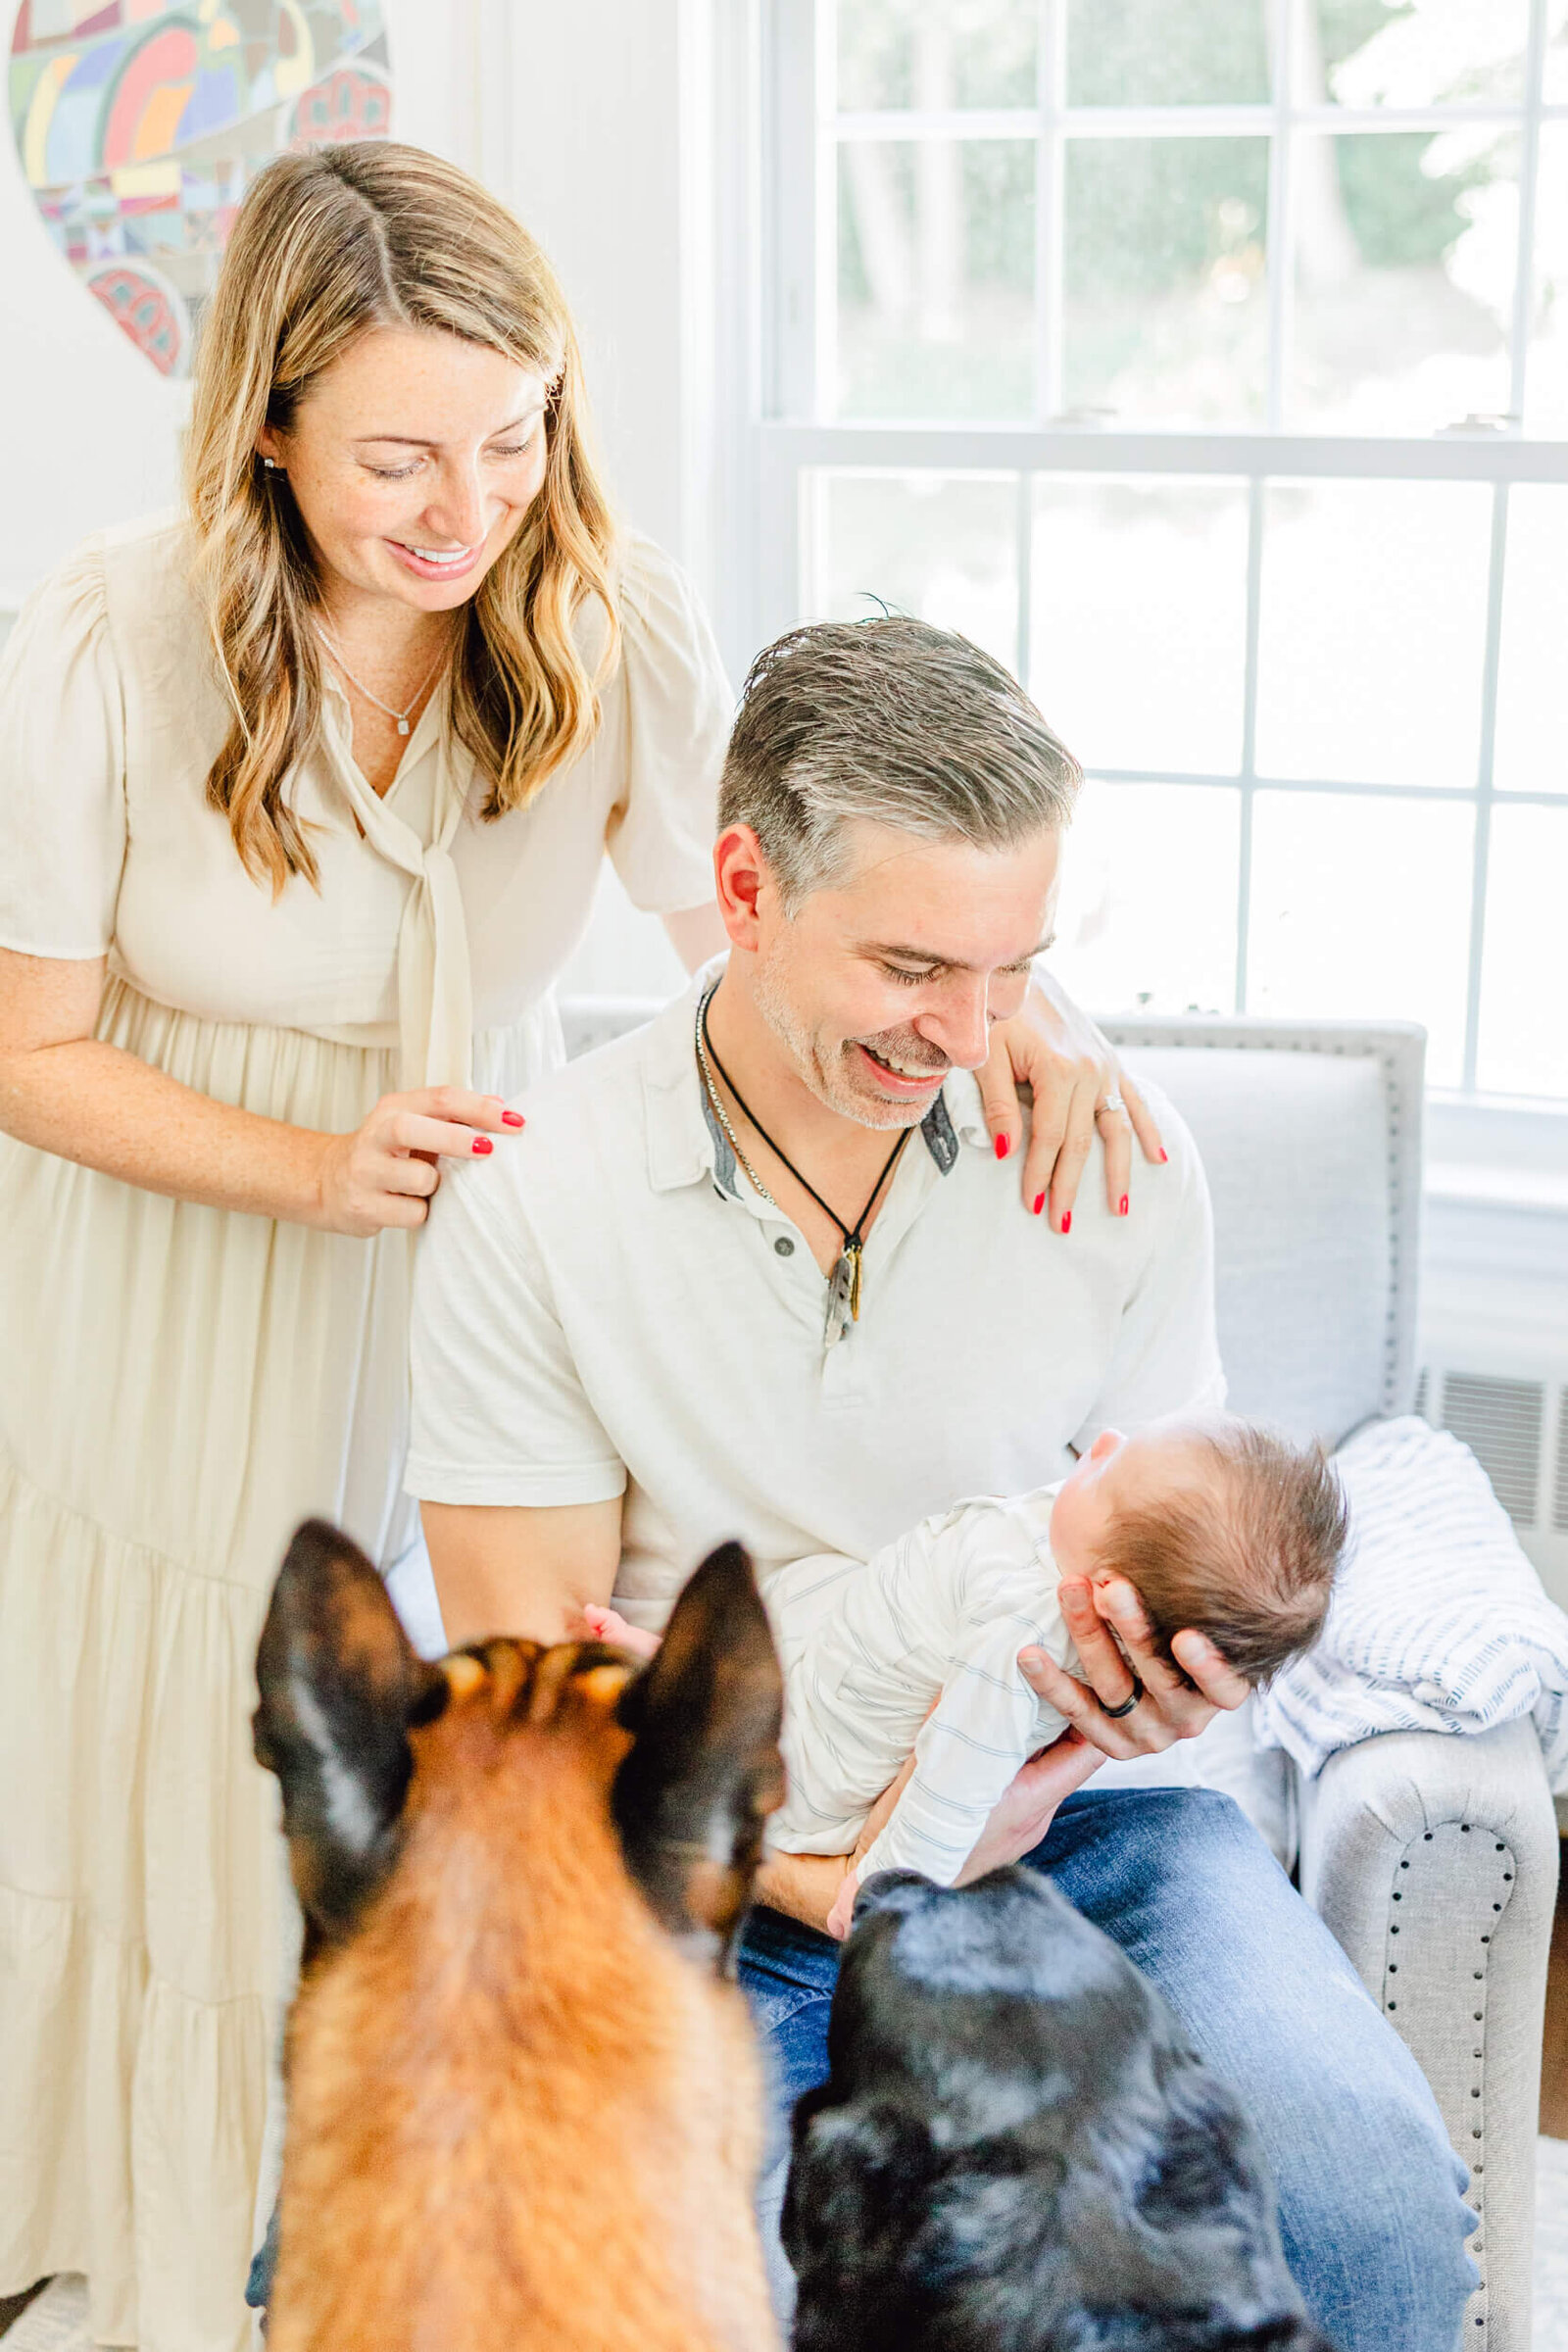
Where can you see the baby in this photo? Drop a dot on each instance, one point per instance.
(1217, 1525)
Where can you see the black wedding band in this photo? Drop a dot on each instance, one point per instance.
(1127, 1704)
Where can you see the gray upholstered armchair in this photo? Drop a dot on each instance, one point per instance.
(1311, 1136)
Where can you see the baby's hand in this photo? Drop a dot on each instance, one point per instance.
(611, 1627)
(843, 1911)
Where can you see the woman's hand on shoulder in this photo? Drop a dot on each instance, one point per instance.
(1054, 1049)
(387, 1171)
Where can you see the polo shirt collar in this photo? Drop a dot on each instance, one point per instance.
(686, 1142)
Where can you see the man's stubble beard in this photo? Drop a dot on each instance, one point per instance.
(829, 1084)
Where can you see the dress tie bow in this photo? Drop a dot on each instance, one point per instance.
(435, 988)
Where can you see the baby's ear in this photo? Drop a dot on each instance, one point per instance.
(704, 1771)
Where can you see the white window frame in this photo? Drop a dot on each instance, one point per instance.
(799, 131)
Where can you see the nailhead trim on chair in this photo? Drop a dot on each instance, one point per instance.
(1502, 1889)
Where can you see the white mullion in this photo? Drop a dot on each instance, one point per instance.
(1249, 776)
(1050, 218)
(789, 228)
(945, 122)
(743, 335)
(1529, 184)
(1023, 549)
(1488, 457)
(1482, 848)
(824, 205)
(1155, 122)
(1281, 213)
(1393, 119)
(1331, 787)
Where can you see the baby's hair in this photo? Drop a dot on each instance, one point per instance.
(1252, 1561)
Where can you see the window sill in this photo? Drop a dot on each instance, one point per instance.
(1488, 1184)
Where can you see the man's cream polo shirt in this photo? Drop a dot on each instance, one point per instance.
(605, 1306)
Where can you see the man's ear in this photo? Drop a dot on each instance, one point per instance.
(704, 1770)
(341, 1687)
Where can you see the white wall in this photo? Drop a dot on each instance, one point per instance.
(89, 427)
(575, 115)
(593, 122)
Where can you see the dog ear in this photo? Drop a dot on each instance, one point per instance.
(704, 1770)
(854, 2199)
(341, 1687)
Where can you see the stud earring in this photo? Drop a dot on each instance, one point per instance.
(272, 465)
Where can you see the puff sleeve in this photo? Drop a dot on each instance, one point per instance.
(61, 769)
(678, 712)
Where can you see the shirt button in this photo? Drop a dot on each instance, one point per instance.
(784, 1245)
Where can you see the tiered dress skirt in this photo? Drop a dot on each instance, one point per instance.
(179, 1387)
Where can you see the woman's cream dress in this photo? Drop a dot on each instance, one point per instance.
(180, 1384)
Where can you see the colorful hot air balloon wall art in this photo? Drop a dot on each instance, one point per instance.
(139, 124)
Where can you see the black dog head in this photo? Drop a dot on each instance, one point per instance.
(1018, 2151)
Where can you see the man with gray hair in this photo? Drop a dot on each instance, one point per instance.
(755, 1272)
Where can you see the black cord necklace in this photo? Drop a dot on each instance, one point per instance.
(846, 1274)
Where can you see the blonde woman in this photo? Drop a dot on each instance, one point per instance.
(305, 795)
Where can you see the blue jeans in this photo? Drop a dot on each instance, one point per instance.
(1371, 2209)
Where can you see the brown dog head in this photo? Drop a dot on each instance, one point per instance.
(517, 2114)
(688, 1745)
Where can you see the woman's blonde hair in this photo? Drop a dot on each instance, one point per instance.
(328, 245)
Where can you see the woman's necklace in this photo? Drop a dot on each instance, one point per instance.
(400, 716)
(844, 1279)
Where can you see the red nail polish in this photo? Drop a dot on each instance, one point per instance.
(1004, 1147)
(1122, 1209)
(1163, 1154)
(1039, 1202)
(482, 1144)
(1066, 1220)
(512, 1118)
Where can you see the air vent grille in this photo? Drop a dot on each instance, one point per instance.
(1501, 1420)
(1559, 1500)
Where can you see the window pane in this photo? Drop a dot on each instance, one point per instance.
(1532, 747)
(1547, 372)
(1361, 909)
(1167, 53)
(1165, 253)
(1372, 631)
(936, 278)
(941, 546)
(1405, 256)
(1524, 987)
(1148, 913)
(1138, 619)
(1435, 53)
(935, 54)
(1556, 83)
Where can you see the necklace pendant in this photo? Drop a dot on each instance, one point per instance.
(852, 1253)
(402, 726)
(840, 1305)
